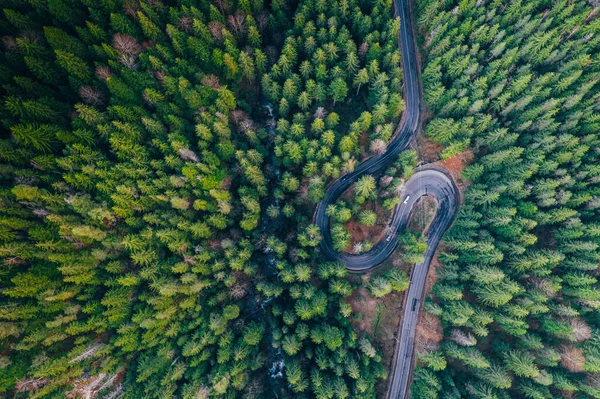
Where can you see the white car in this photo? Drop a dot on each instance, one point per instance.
(389, 237)
(406, 199)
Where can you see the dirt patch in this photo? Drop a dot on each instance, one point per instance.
(427, 150)
(432, 273)
(366, 307)
(457, 163)
(429, 328)
(385, 320)
(380, 317)
(361, 233)
(363, 142)
(429, 333)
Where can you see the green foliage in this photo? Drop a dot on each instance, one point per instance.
(155, 227)
(125, 128)
(413, 247)
(510, 82)
(364, 188)
(392, 280)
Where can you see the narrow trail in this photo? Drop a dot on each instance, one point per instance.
(427, 180)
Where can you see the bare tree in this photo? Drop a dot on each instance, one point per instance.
(33, 35)
(320, 113)
(203, 393)
(131, 7)
(377, 146)
(30, 384)
(90, 95)
(89, 352)
(362, 51)
(593, 380)
(159, 75)
(350, 165)
(399, 188)
(357, 248)
(293, 254)
(581, 331)
(303, 192)
(241, 121)
(15, 260)
(223, 5)
(211, 81)
(386, 180)
(262, 20)
(129, 61)
(103, 72)
(126, 44)
(272, 54)
(116, 393)
(216, 30)
(571, 358)
(238, 24)
(185, 24)
(237, 116)
(238, 291)
(462, 338)
(255, 389)
(544, 285)
(215, 245)
(188, 155)
(90, 387)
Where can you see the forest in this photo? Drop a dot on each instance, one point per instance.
(516, 83)
(160, 165)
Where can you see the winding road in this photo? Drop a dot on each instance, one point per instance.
(427, 180)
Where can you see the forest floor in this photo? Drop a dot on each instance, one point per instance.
(361, 233)
(428, 153)
(427, 150)
(379, 317)
(429, 328)
(455, 166)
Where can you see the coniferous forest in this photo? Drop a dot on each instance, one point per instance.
(518, 298)
(160, 166)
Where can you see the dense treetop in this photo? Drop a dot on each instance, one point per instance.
(138, 194)
(518, 297)
(125, 262)
(160, 162)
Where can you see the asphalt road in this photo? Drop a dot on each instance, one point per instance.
(427, 180)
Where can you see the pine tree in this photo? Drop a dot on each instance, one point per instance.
(364, 187)
(338, 90)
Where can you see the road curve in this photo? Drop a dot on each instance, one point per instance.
(428, 180)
